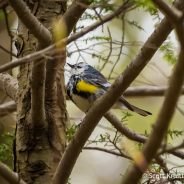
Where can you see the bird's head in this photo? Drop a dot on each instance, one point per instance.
(79, 68)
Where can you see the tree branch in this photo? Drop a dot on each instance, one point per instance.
(7, 108)
(9, 175)
(53, 49)
(31, 22)
(134, 136)
(9, 85)
(171, 149)
(74, 12)
(147, 91)
(123, 129)
(171, 12)
(162, 123)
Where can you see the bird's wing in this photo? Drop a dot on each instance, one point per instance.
(97, 80)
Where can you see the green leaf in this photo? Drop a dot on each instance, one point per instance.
(175, 133)
(6, 151)
(168, 51)
(147, 5)
(71, 131)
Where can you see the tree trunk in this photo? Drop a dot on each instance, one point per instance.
(38, 151)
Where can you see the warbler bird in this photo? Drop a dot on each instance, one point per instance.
(86, 84)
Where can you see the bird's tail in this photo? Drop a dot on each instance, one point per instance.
(140, 111)
(134, 108)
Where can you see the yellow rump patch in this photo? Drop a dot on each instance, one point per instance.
(86, 87)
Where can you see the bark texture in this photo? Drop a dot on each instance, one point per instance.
(37, 148)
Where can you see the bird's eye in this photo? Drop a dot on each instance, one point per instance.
(79, 66)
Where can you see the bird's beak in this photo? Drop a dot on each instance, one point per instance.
(70, 65)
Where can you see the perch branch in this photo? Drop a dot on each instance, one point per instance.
(9, 175)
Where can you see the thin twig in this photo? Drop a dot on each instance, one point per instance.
(123, 129)
(120, 50)
(147, 91)
(171, 149)
(135, 136)
(109, 49)
(164, 167)
(107, 151)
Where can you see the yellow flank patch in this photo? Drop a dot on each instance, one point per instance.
(86, 87)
